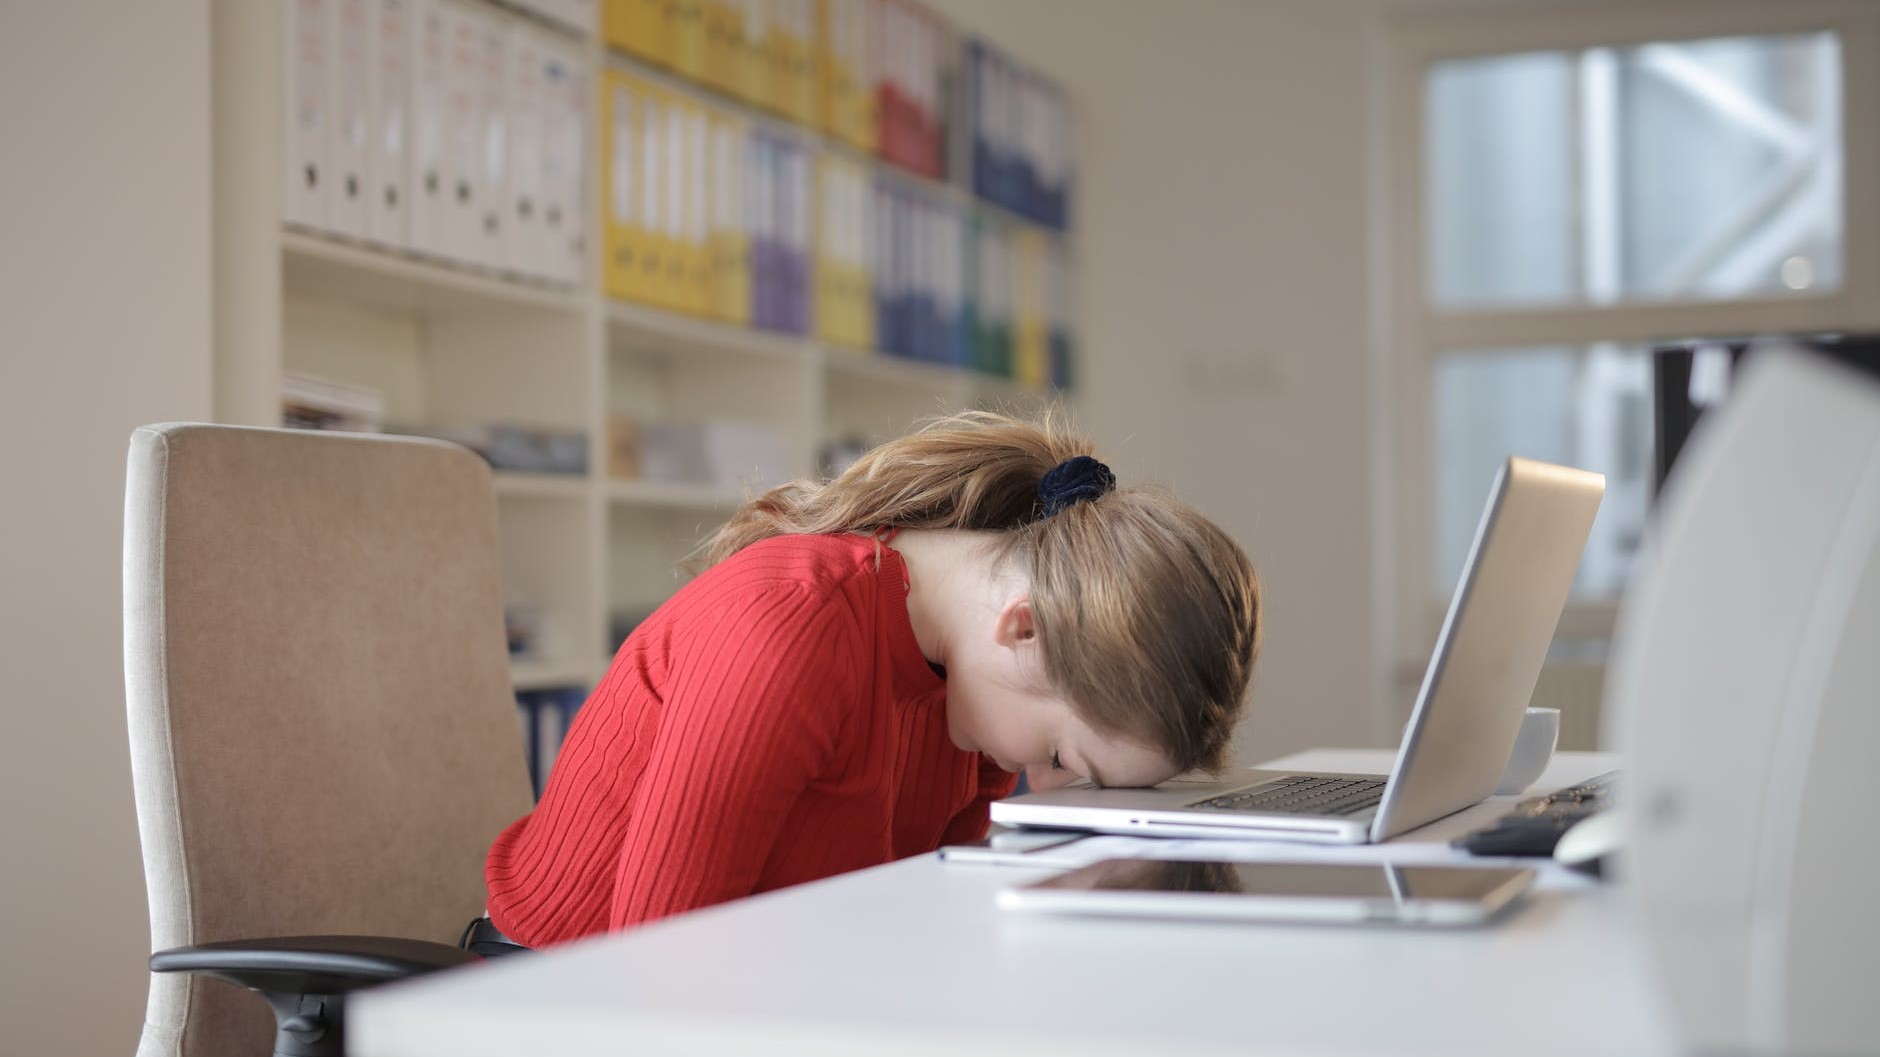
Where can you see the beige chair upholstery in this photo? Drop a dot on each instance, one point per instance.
(323, 733)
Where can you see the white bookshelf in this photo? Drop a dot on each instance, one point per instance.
(452, 346)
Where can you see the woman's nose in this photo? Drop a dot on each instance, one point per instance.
(1043, 776)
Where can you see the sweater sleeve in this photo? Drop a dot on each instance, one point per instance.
(973, 820)
(757, 698)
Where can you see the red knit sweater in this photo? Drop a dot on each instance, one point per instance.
(773, 723)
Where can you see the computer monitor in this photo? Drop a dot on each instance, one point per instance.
(1689, 378)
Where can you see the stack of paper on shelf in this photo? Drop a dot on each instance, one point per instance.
(512, 446)
(308, 402)
(724, 452)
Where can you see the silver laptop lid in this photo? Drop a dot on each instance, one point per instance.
(1494, 639)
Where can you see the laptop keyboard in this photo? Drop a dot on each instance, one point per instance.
(1303, 795)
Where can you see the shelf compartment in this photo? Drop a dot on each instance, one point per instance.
(660, 495)
(328, 268)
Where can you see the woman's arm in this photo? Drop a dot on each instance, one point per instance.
(971, 823)
(755, 703)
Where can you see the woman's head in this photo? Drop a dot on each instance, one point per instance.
(1145, 615)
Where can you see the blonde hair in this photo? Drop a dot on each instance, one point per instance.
(1147, 614)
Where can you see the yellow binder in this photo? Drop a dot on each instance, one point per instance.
(1031, 349)
(846, 103)
(793, 86)
(688, 37)
(845, 312)
(627, 270)
(724, 24)
(660, 266)
(695, 296)
(642, 28)
(730, 233)
(751, 52)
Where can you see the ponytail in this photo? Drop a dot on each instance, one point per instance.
(975, 470)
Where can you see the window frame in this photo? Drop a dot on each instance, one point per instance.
(1411, 333)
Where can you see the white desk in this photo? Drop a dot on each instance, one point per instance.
(914, 958)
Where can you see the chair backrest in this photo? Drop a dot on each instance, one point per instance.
(324, 739)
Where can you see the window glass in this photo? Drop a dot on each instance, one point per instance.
(1588, 407)
(1690, 170)
(1501, 210)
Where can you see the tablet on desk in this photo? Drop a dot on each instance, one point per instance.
(1325, 893)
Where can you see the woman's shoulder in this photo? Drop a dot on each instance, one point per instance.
(818, 562)
(775, 588)
(837, 570)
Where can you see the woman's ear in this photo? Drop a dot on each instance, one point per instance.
(1015, 624)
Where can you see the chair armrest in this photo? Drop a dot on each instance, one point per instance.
(305, 979)
(311, 964)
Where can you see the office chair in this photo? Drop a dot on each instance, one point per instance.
(323, 734)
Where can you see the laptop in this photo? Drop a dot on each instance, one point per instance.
(1461, 731)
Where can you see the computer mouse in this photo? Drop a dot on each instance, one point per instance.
(1589, 842)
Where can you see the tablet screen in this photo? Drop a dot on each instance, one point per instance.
(1292, 880)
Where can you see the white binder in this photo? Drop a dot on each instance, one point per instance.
(349, 103)
(490, 244)
(527, 104)
(428, 179)
(307, 58)
(463, 130)
(564, 160)
(389, 49)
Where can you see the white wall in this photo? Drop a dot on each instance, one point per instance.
(1222, 296)
(104, 308)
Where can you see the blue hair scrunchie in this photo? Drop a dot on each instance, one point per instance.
(1073, 481)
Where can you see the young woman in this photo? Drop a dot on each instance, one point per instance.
(866, 664)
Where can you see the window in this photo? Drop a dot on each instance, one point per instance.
(1568, 187)
(1566, 181)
